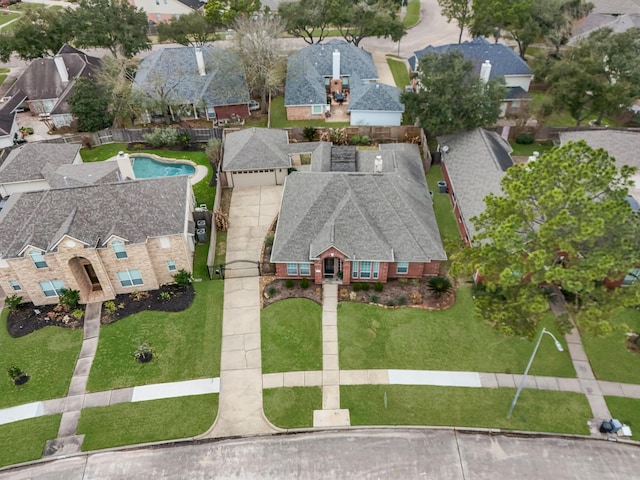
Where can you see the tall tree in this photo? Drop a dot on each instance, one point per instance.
(226, 12)
(562, 220)
(306, 19)
(358, 19)
(112, 24)
(450, 97)
(257, 44)
(459, 10)
(40, 32)
(194, 29)
(115, 78)
(89, 103)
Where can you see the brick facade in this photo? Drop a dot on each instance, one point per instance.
(302, 113)
(67, 264)
(225, 111)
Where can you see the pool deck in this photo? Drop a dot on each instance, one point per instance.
(201, 170)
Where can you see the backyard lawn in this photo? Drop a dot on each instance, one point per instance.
(279, 118)
(538, 411)
(399, 71)
(372, 337)
(291, 332)
(521, 150)
(292, 407)
(627, 410)
(609, 356)
(562, 118)
(48, 355)
(24, 441)
(442, 206)
(186, 344)
(144, 422)
(203, 192)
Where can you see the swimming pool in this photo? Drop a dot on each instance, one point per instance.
(145, 167)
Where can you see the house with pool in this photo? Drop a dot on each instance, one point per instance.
(100, 228)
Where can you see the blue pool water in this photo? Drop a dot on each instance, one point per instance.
(145, 167)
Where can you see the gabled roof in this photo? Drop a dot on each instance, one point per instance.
(595, 21)
(307, 68)
(193, 4)
(476, 162)
(368, 216)
(8, 111)
(28, 162)
(83, 174)
(622, 145)
(173, 72)
(41, 80)
(135, 210)
(504, 61)
(376, 97)
(616, 7)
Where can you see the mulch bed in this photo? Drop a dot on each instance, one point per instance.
(633, 343)
(28, 318)
(127, 304)
(395, 293)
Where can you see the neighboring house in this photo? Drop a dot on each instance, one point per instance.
(166, 10)
(48, 83)
(490, 60)
(30, 167)
(618, 15)
(339, 78)
(205, 82)
(362, 216)
(8, 125)
(101, 240)
(473, 165)
(259, 156)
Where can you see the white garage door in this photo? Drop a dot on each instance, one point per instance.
(253, 179)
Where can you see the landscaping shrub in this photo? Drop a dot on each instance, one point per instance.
(162, 137)
(271, 290)
(401, 300)
(12, 302)
(439, 286)
(378, 287)
(78, 313)
(69, 298)
(289, 283)
(304, 282)
(268, 241)
(309, 133)
(373, 298)
(109, 306)
(525, 139)
(184, 139)
(364, 286)
(416, 298)
(183, 278)
(356, 287)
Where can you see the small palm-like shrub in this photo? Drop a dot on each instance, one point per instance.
(439, 286)
(309, 133)
(183, 278)
(69, 298)
(12, 302)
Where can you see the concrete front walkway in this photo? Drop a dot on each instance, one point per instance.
(252, 211)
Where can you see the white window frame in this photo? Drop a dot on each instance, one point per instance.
(119, 249)
(355, 269)
(292, 269)
(38, 259)
(171, 265)
(305, 269)
(52, 289)
(130, 278)
(376, 269)
(15, 285)
(365, 270)
(316, 109)
(402, 268)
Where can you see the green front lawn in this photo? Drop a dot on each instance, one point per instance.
(186, 344)
(372, 337)
(24, 441)
(203, 192)
(3, 77)
(537, 410)
(609, 356)
(399, 71)
(144, 422)
(279, 118)
(412, 17)
(48, 355)
(6, 17)
(292, 407)
(442, 206)
(627, 410)
(291, 332)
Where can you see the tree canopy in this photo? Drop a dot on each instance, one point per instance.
(451, 98)
(562, 220)
(226, 12)
(459, 10)
(306, 19)
(89, 103)
(193, 29)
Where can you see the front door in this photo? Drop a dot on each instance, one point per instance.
(329, 267)
(93, 278)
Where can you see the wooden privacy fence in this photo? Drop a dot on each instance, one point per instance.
(133, 135)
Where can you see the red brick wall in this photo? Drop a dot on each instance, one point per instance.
(302, 113)
(416, 270)
(225, 111)
(456, 210)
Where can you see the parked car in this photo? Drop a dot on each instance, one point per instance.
(253, 105)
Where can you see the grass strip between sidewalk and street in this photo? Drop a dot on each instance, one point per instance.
(399, 71)
(627, 410)
(292, 407)
(536, 410)
(144, 422)
(24, 441)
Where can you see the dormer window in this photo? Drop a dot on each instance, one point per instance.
(118, 249)
(38, 259)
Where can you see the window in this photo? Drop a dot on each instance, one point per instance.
(15, 285)
(165, 2)
(51, 288)
(376, 269)
(292, 269)
(305, 269)
(354, 269)
(402, 267)
(172, 265)
(316, 109)
(118, 248)
(365, 269)
(38, 259)
(129, 278)
(631, 278)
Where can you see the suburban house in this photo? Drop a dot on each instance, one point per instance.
(359, 216)
(618, 15)
(48, 83)
(261, 156)
(339, 80)
(473, 165)
(166, 10)
(203, 82)
(102, 239)
(490, 60)
(8, 125)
